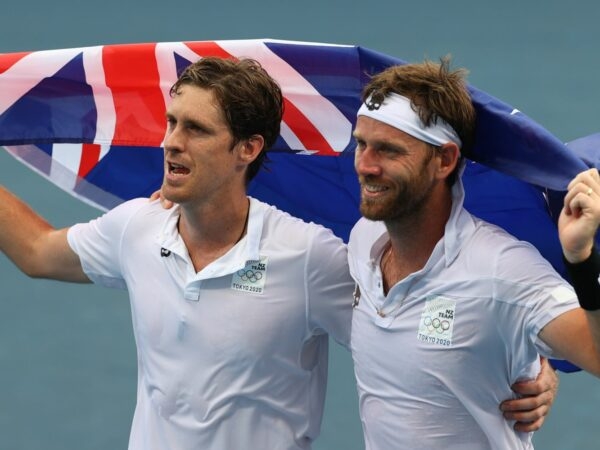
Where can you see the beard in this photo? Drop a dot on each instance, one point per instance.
(406, 202)
(408, 198)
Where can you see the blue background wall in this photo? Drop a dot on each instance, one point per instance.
(67, 356)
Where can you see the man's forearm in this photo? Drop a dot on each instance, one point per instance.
(20, 231)
(33, 245)
(585, 278)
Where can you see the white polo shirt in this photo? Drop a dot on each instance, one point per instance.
(234, 356)
(436, 356)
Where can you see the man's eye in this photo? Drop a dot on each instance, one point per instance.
(194, 128)
(390, 150)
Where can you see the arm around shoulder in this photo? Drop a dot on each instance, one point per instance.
(33, 245)
(330, 287)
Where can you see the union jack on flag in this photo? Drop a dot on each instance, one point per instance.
(91, 120)
(78, 115)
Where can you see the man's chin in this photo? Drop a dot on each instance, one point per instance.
(374, 212)
(171, 194)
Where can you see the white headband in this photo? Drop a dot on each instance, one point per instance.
(396, 111)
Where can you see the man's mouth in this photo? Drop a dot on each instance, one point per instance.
(374, 188)
(177, 169)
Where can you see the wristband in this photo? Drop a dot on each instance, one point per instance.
(584, 278)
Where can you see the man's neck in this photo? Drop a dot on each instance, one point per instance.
(413, 239)
(211, 230)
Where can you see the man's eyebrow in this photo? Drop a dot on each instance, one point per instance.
(374, 142)
(188, 121)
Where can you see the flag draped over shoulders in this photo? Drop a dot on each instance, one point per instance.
(92, 121)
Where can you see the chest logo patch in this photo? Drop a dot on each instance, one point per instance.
(437, 321)
(252, 277)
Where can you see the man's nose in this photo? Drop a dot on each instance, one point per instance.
(173, 140)
(366, 162)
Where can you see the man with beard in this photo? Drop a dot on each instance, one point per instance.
(449, 310)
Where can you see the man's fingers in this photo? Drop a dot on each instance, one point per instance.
(527, 427)
(524, 404)
(527, 414)
(539, 387)
(584, 185)
(529, 418)
(155, 195)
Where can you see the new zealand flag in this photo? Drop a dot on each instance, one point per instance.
(92, 121)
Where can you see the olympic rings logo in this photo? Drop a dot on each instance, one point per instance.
(436, 324)
(249, 275)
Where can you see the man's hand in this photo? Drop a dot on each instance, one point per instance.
(531, 409)
(580, 217)
(167, 204)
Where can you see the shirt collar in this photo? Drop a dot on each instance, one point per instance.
(247, 249)
(459, 226)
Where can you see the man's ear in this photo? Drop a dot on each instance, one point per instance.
(250, 148)
(449, 155)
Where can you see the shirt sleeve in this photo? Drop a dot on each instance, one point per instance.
(538, 293)
(98, 244)
(330, 287)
